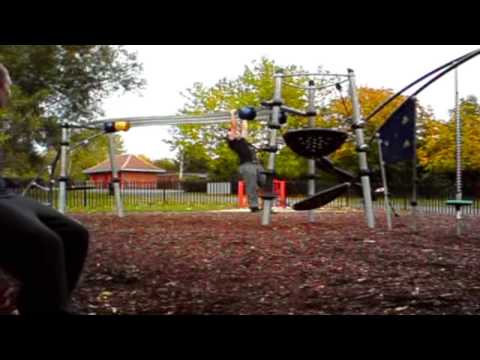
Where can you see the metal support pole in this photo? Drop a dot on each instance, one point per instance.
(458, 150)
(51, 183)
(115, 179)
(413, 203)
(361, 148)
(311, 162)
(273, 126)
(62, 181)
(384, 182)
(182, 159)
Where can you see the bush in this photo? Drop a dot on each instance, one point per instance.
(194, 186)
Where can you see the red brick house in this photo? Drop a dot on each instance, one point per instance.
(131, 169)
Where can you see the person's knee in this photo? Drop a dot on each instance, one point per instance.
(75, 237)
(40, 247)
(82, 236)
(83, 232)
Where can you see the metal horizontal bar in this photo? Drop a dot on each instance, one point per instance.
(312, 74)
(85, 141)
(293, 111)
(330, 85)
(173, 122)
(317, 87)
(295, 86)
(181, 119)
(76, 126)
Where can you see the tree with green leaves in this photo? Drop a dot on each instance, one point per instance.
(255, 85)
(206, 145)
(167, 164)
(97, 151)
(55, 83)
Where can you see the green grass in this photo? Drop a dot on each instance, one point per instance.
(197, 202)
(104, 203)
(168, 207)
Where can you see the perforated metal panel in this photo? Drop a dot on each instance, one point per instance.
(314, 143)
(321, 198)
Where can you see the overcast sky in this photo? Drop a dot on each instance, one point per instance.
(171, 69)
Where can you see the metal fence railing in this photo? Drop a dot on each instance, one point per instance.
(402, 204)
(91, 196)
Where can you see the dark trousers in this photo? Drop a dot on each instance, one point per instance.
(251, 174)
(44, 250)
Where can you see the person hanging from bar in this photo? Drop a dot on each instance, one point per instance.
(250, 168)
(41, 248)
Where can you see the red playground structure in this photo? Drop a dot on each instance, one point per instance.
(279, 187)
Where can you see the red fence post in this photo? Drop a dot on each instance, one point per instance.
(279, 187)
(241, 195)
(283, 194)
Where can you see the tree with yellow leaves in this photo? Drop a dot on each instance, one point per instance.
(437, 153)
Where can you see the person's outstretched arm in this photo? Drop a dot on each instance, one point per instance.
(233, 131)
(244, 129)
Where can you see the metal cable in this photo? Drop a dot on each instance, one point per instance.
(460, 59)
(313, 74)
(316, 88)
